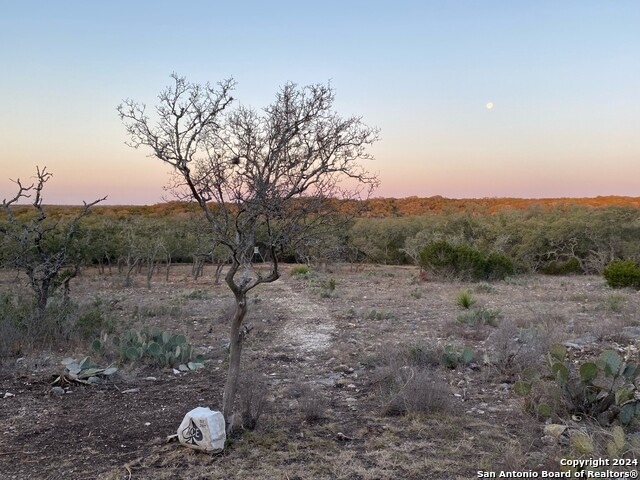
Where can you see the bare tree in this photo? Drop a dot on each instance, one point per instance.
(274, 174)
(40, 246)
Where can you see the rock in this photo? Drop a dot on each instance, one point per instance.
(183, 368)
(554, 429)
(57, 390)
(9, 395)
(632, 333)
(151, 379)
(340, 383)
(549, 439)
(581, 341)
(130, 390)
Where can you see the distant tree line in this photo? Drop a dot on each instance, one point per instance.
(566, 239)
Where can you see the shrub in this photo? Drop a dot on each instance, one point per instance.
(464, 262)
(620, 274)
(498, 267)
(329, 285)
(411, 390)
(196, 295)
(406, 381)
(253, 393)
(465, 299)
(299, 270)
(382, 315)
(571, 266)
(60, 323)
(512, 350)
(312, 404)
(484, 287)
(440, 257)
(616, 302)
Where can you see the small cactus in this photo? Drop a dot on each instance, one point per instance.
(603, 389)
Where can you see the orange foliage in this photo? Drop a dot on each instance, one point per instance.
(375, 207)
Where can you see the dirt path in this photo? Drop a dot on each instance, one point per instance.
(309, 327)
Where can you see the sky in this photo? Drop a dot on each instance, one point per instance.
(562, 77)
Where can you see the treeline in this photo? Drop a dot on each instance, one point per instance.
(561, 239)
(374, 207)
(549, 239)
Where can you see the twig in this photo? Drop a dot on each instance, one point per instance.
(128, 470)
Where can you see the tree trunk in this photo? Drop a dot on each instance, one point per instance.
(43, 297)
(218, 273)
(127, 280)
(235, 349)
(150, 266)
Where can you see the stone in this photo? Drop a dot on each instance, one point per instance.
(554, 429)
(632, 333)
(580, 342)
(57, 390)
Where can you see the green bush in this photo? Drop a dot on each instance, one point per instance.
(571, 266)
(299, 270)
(464, 262)
(620, 274)
(498, 267)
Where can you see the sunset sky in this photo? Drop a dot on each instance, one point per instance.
(563, 78)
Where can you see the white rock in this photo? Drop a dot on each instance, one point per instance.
(8, 394)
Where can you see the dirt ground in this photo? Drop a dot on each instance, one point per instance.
(305, 338)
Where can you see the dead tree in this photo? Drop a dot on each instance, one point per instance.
(40, 246)
(275, 173)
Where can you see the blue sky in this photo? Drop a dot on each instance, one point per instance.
(563, 77)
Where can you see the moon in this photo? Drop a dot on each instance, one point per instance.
(489, 105)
